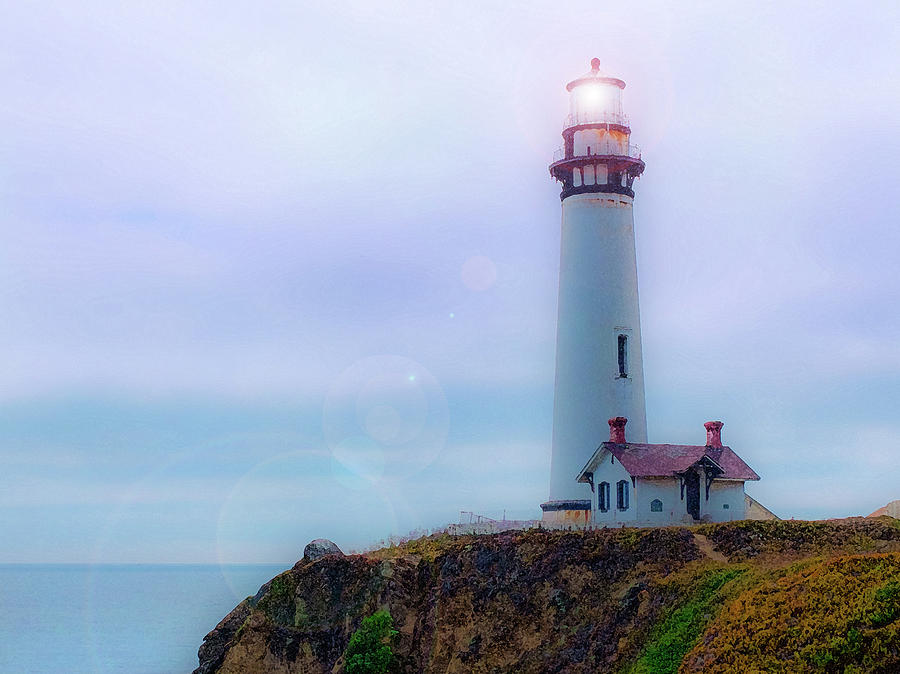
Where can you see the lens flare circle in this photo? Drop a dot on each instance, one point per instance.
(385, 418)
(478, 273)
(357, 462)
(287, 500)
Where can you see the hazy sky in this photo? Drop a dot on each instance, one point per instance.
(285, 270)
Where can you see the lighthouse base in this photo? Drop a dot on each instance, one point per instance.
(574, 513)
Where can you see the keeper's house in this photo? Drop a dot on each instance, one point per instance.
(652, 485)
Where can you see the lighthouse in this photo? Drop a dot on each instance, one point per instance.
(599, 371)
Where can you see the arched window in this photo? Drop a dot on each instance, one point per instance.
(656, 506)
(622, 495)
(623, 355)
(603, 496)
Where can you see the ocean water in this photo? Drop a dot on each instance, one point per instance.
(140, 619)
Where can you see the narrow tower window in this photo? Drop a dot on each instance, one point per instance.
(623, 355)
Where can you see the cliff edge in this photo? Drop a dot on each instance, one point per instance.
(734, 597)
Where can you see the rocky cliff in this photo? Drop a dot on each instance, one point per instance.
(737, 597)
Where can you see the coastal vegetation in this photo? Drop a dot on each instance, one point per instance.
(733, 597)
(370, 649)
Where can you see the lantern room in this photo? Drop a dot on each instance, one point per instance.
(596, 97)
(597, 153)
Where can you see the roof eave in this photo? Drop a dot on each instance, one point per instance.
(591, 464)
(675, 474)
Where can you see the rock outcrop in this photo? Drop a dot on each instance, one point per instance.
(892, 509)
(320, 547)
(646, 600)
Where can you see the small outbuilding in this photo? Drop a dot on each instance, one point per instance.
(653, 485)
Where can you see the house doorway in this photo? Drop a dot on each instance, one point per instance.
(692, 487)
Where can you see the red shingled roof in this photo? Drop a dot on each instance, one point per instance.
(643, 460)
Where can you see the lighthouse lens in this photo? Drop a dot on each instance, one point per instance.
(594, 98)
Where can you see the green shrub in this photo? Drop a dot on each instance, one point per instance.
(887, 605)
(671, 640)
(369, 650)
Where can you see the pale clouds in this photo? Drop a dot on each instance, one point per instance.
(212, 212)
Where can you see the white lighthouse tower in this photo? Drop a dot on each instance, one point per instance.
(599, 373)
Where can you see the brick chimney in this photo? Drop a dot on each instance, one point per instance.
(713, 434)
(617, 430)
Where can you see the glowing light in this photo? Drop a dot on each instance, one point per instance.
(592, 94)
(594, 97)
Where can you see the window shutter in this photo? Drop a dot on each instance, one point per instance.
(622, 495)
(603, 496)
